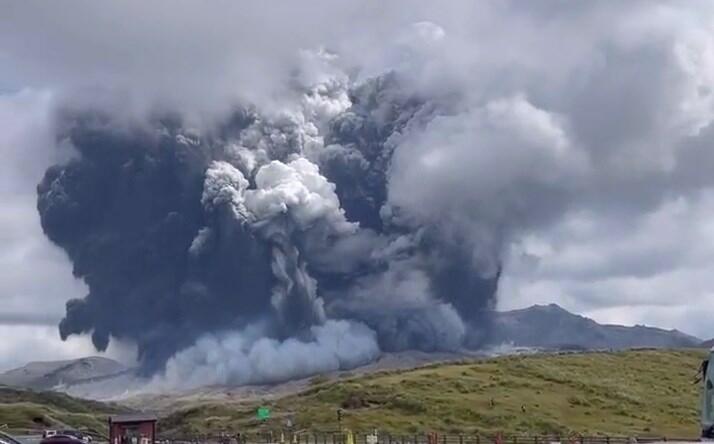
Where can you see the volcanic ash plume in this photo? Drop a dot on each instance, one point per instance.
(243, 201)
(267, 238)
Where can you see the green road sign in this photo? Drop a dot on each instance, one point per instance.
(263, 413)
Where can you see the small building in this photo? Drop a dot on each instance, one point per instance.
(132, 429)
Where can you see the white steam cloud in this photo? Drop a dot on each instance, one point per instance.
(248, 357)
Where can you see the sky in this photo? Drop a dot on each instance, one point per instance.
(583, 133)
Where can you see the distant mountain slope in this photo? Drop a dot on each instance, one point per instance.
(46, 375)
(553, 327)
(540, 327)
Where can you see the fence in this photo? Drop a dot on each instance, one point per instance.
(428, 438)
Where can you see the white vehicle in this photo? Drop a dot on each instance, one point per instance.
(707, 415)
(7, 439)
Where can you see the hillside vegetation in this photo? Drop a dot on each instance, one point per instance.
(26, 410)
(634, 393)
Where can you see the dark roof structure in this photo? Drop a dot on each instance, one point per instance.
(133, 417)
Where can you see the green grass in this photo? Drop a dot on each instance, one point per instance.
(24, 410)
(641, 393)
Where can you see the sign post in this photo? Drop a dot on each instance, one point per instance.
(263, 413)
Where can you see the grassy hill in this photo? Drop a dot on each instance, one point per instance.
(642, 393)
(24, 410)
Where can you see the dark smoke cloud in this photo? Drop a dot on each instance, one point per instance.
(362, 141)
(180, 234)
(126, 211)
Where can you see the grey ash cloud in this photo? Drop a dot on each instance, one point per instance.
(181, 234)
(273, 180)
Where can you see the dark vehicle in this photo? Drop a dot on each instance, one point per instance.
(62, 439)
(66, 437)
(77, 434)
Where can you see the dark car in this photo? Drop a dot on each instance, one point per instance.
(77, 434)
(65, 437)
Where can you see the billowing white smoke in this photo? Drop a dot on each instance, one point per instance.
(296, 189)
(298, 125)
(248, 357)
(486, 171)
(288, 200)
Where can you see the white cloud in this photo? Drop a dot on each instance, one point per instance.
(35, 276)
(37, 343)
(42, 343)
(654, 269)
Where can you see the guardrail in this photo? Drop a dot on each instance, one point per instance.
(96, 435)
(423, 438)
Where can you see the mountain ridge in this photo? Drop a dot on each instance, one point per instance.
(553, 327)
(536, 328)
(49, 374)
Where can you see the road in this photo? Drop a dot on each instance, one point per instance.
(29, 439)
